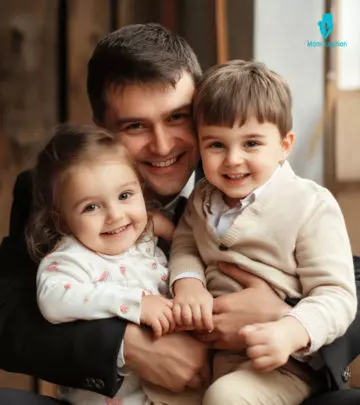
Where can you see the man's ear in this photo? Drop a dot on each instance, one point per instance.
(287, 143)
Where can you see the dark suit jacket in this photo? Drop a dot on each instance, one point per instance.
(83, 354)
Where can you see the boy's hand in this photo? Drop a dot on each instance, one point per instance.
(193, 304)
(270, 344)
(156, 312)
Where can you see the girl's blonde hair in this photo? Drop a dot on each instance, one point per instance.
(69, 145)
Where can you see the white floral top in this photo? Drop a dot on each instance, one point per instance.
(75, 283)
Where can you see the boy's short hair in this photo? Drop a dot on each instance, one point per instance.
(238, 89)
(140, 54)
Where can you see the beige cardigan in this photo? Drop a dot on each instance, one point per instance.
(293, 236)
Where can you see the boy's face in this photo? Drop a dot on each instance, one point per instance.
(238, 160)
(156, 127)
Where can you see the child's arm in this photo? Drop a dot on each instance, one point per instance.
(163, 227)
(326, 273)
(67, 291)
(192, 302)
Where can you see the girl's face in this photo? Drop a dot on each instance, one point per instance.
(103, 205)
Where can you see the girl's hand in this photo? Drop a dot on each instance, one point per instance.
(193, 305)
(156, 312)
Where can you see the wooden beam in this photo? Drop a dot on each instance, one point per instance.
(88, 22)
(221, 31)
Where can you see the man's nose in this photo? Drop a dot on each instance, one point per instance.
(162, 142)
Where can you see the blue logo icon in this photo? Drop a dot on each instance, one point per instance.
(326, 25)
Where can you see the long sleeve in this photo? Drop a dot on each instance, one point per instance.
(326, 273)
(68, 290)
(80, 354)
(184, 255)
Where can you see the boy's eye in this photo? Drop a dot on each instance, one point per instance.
(251, 144)
(125, 195)
(216, 145)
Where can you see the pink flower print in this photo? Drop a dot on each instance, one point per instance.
(123, 270)
(52, 266)
(104, 276)
(85, 300)
(113, 401)
(148, 250)
(67, 286)
(164, 277)
(124, 309)
(154, 266)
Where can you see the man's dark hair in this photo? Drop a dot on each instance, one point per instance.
(140, 53)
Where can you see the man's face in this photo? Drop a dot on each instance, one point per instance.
(155, 125)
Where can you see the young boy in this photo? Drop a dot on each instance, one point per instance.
(254, 211)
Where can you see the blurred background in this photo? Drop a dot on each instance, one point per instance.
(45, 46)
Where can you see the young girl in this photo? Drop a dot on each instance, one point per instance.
(98, 254)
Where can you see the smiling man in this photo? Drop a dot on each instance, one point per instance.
(141, 81)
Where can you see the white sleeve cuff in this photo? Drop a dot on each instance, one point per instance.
(122, 369)
(302, 354)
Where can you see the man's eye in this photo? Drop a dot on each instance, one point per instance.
(216, 145)
(91, 208)
(125, 195)
(133, 126)
(179, 117)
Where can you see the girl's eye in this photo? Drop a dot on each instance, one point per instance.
(124, 196)
(91, 208)
(216, 145)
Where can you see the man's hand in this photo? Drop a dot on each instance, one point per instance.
(173, 361)
(193, 305)
(156, 312)
(270, 344)
(257, 303)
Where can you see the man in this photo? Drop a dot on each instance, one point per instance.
(141, 81)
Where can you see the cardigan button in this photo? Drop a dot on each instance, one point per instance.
(222, 247)
(346, 374)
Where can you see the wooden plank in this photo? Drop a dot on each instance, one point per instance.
(347, 136)
(221, 31)
(88, 21)
(28, 101)
(27, 88)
